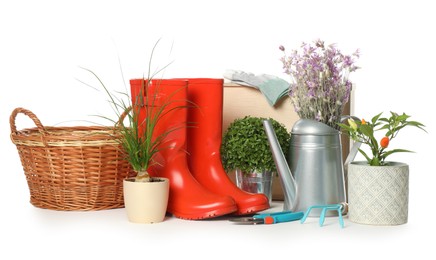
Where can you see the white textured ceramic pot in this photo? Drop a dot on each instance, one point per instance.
(378, 195)
(146, 202)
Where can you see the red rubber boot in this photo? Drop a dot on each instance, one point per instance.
(204, 143)
(188, 199)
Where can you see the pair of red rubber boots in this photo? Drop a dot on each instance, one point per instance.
(191, 158)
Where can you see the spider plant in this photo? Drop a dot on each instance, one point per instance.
(135, 135)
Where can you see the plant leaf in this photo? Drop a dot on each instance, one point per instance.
(375, 118)
(386, 154)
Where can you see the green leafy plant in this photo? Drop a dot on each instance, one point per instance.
(245, 145)
(137, 139)
(363, 132)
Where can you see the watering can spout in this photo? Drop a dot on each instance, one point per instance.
(289, 186)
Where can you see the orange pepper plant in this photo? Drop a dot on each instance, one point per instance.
(363, 132)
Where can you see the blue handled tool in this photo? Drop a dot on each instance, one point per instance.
(270, 218)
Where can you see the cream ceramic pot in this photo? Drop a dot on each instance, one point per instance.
(378, 195)
(146, 202)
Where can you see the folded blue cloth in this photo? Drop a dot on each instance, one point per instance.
(272, 87)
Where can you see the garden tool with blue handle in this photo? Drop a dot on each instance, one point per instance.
(270, 218)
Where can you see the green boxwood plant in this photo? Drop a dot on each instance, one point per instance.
(245, 145)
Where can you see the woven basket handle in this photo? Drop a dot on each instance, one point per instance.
(123, 116)
(28, 113)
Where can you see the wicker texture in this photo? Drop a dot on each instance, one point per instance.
(71, 168)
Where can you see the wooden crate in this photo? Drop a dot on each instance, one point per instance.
(240, 101)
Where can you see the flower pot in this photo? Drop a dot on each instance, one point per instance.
(146, 202)
(378, 195)
(255, 182)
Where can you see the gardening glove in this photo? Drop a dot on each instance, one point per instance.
(272, 87)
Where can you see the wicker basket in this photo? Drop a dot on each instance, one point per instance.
(71, 168)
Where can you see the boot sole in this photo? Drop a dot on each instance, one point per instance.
(205, 215)
(251, 210)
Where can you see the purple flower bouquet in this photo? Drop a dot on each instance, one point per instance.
(320, 87)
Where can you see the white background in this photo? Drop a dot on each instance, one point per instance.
(43, 44)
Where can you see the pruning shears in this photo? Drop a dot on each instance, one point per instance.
(270, 218)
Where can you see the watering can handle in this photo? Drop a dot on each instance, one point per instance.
(354, 149)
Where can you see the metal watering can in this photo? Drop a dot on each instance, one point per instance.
(315, 173)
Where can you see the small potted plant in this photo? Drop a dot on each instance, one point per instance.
(378, 189)
(245, 150)
(145, 197)
(137, 115)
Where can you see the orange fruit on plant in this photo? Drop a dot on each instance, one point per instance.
(384, 142)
